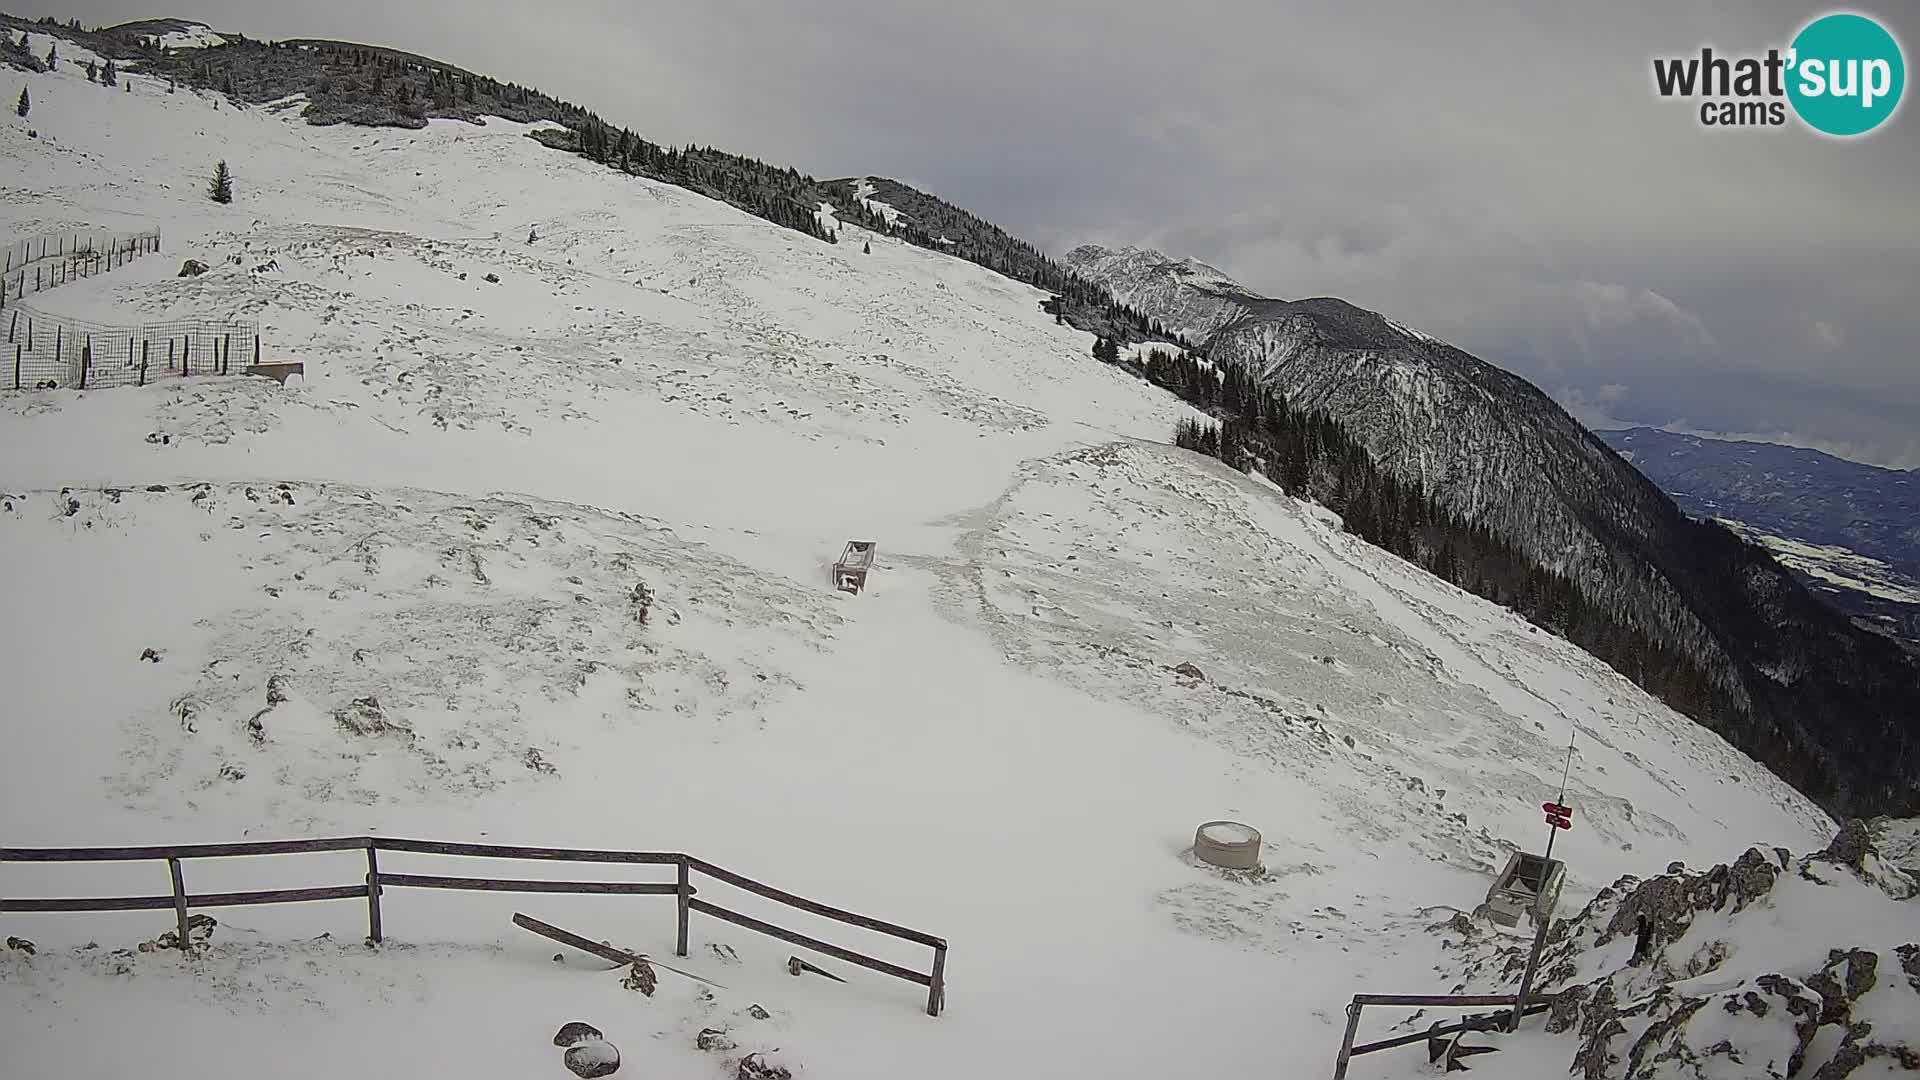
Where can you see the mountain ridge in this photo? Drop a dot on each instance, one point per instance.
(1793, 681)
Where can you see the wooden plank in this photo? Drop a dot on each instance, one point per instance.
(804, 904)
(1449, 1029)
(1462, 1000)
(435, 881)
(88, 903)
(278, 896)
(815, 944)
(181, 851)
(795, 966)
(566, 937)
(605, 952)
(504, 851)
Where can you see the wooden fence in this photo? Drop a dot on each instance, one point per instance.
(1348, 1051)
(377, 881)
(45, 262)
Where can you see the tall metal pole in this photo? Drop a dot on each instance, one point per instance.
(1542, 911)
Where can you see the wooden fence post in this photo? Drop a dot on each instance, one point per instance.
(685, 894)
(16, 365)
(373, 892)
(86, 360)
(186, 354)
(1346, 1043)
(937, 989)
(169, 353)
(14, 324)
(226, 365)
(179, 900)
(256, 351)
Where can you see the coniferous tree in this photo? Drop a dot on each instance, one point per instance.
(93, 73)
(109, 75)
(222, 187)
(865, 248)
(53, 56)
(25, 105)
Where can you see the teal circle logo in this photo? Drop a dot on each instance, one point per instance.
(1846, 74)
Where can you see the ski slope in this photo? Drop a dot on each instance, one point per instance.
(452, 511)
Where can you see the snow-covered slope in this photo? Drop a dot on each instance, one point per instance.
(1789, 679)
(405, 595)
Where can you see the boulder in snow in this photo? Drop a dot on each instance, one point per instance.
(593, 1057)
(756, 1067)
(574, 1031)
(192, 268)
(365, 716)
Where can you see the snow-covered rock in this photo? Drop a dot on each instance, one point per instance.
(1769, 966)
(593, 1057)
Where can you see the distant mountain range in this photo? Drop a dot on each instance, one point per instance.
(1852, 530)
(1783, 676)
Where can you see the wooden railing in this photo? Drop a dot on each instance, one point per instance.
(377, 881)
(1348, 1051)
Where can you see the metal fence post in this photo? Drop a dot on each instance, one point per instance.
(373, 892)
(179, 900)
(685, 894)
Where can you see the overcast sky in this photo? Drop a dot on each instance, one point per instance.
(1499, 175)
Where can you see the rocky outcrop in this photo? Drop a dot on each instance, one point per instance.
(1766, 1007)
